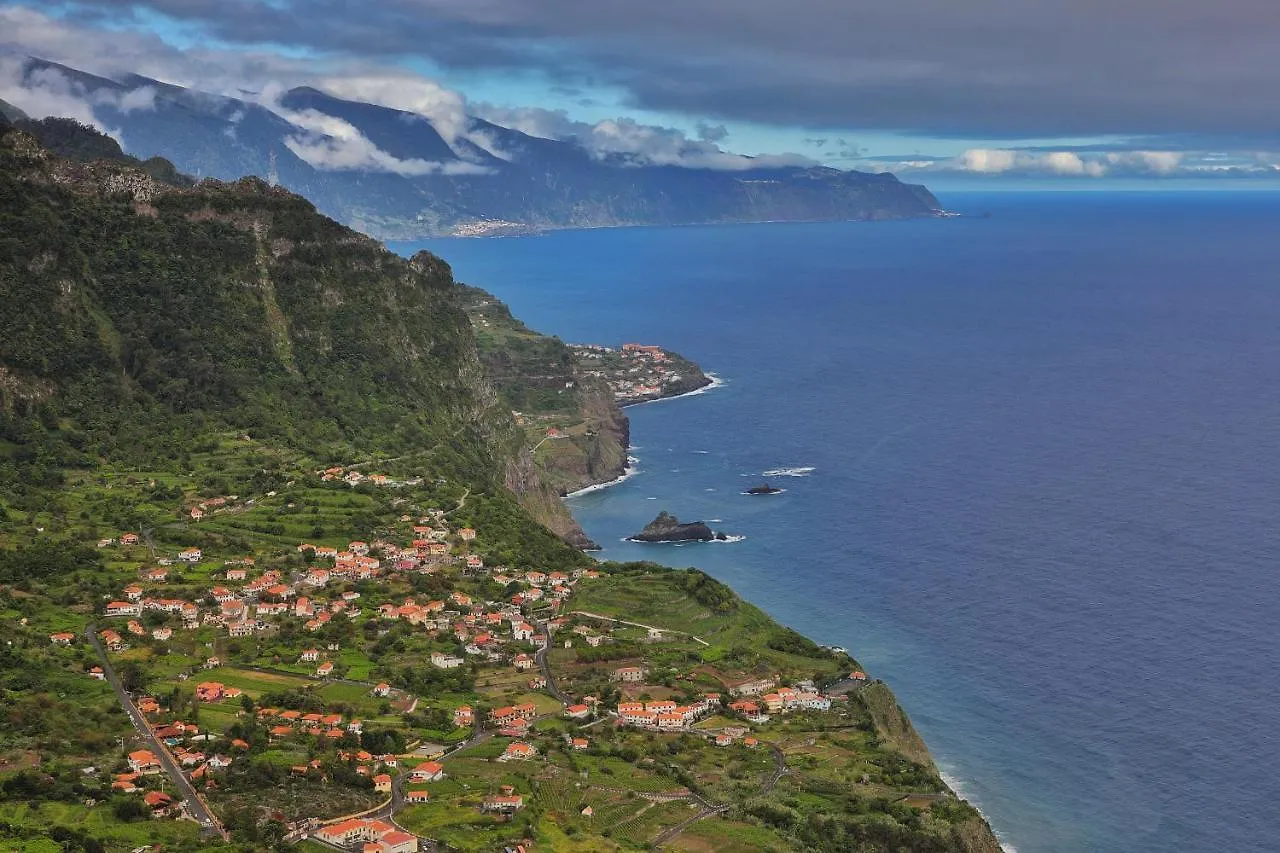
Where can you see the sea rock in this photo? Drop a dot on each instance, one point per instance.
(667, 528)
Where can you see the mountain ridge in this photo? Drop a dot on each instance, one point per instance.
(404, 179)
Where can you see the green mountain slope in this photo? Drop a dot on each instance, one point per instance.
(138, 315)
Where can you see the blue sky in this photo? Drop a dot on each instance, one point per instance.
(985, 93)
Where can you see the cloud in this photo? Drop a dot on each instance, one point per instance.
(1084, 163)
(331, 144)
(712, 132)
(629, 141)
(1168, 101)
(445, 108)
(979, 69)
(45, 92)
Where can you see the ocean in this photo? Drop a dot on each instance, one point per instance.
(1030, 461)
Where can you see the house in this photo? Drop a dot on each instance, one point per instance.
(236, 574)
(399, 842)
(751, 686)
(428, 771)
(641, 718)
(162, 633)
(382, 783)
(356, 830)
(191, 555)
(111, 640)
(324, 669)
(242, 629)
(309, 656)
(124, 608)
(98, 674)
(629, 674)
(813, 701)
(209, 691)
(579, 743)
(159, 802)
(524, 662)
(417, 796)
(466, 534)
(445, 661)
(670, 721)
(196, 513)
(505, 804)
(133, 592)
(521, 631)
(578, 712)
(463, 717)
(62, 638)
(382, 690)
(474, 562)
(145, 762)
(128, 539)
(723, 740)
(518, 751)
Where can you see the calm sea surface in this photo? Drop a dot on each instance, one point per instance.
(1044, 502)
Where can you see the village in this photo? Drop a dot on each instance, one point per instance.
(636, 373)
(523, 678)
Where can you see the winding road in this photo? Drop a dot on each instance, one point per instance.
(540, 657)
(603, 618)
(193, 802)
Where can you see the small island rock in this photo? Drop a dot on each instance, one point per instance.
(667, 528)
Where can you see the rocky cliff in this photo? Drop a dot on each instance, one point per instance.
(155, 311)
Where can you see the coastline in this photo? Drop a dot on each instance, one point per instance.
(716, 382)
(630, 471)
(949, 779)
(547, 230)
(631, 468)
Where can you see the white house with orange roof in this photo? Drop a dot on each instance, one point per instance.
(518, 751)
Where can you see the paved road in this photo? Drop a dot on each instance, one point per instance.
(540, 657)
(780, 768)
(668, 834)
(195, 805)
(640, 625)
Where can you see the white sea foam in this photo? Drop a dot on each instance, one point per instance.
(802, 471)
(954, 784)
(728, 539)
(716, 382)
(700, 451)
(631, 471)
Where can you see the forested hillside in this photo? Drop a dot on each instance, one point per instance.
(141, 315)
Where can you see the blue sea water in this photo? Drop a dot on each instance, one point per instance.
(1045, 496)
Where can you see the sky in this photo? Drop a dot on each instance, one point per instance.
(984, 93)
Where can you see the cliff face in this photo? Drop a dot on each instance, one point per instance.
(156, 309)
(896, 731)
